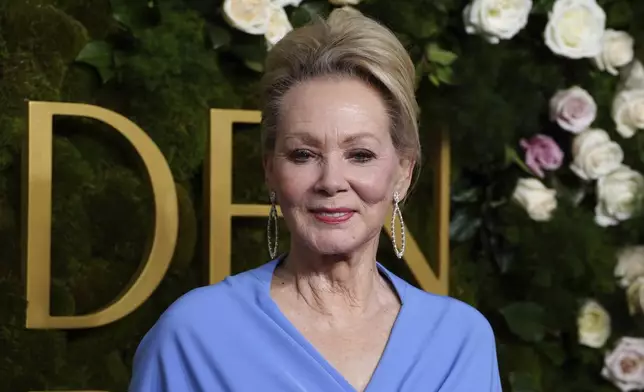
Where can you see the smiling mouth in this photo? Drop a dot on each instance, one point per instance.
(334, 216)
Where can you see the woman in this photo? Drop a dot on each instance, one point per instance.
(341, 142)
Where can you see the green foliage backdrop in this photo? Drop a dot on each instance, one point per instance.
(164, 63)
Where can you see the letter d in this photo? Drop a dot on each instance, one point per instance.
(38, 184)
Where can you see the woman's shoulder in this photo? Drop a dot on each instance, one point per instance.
(230, 298)
(440, 326)
(449, 315)
(436, 310)
(200, 327)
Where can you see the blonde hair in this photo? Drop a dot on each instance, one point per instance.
(346, 44)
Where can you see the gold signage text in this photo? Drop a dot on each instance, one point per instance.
(220, 211)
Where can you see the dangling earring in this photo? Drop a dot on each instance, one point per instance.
(272, 216)
(396, 212)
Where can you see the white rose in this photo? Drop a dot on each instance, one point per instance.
(630, 265)
(278, 26)
(284, 3)
(632, 76)
(618, 196)
(538, 201)
(617, 51)
(573, 109)
(344, 2)
(496, 19)
(575, 28)
(593, 324)
(624, 366)
(249, 16)
(635, 296)
(628, 111)
(594, 154)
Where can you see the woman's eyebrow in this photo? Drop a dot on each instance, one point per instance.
(310, 139)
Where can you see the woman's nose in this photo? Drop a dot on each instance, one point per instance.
(332, 178)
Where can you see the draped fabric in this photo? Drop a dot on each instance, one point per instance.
(232, 336)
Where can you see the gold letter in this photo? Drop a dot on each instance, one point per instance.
(219, 184)
(221, 208)
(38, 217)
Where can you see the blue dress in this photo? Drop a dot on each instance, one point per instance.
(232, 336)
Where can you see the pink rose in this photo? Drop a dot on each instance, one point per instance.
(624, 366)
(541, 152)
(573, 109)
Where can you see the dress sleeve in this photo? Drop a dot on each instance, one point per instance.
(476, 367)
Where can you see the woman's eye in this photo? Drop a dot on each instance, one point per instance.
(300, 156)
(362, 156)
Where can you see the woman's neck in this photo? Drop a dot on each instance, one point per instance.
(337, 285)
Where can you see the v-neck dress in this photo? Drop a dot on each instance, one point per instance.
(232, 337)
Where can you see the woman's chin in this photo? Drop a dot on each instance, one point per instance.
(333, 244)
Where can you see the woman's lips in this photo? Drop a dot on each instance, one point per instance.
(332, 215)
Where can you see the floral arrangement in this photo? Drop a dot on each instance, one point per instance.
(576, 30)
(260, 17)
(265, 17)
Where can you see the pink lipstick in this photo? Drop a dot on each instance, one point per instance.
(332, 216)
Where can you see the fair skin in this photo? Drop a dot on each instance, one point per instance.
(335, 170)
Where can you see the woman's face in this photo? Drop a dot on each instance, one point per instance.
(335, 168)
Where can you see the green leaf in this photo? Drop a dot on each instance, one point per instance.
(445, 75)
(525, 320)
(252, 54)
(255, 66)
(135, 14)
(575, 192)
(309, 12)
(100, 55)
(511, 156)
(542, 6)
(522, 364)
(465, 224)
(427, 28)
(466, 195)
(440, 5)
(299, 17)
(524, 382)
(439, 56)
(434, 79)
(219, 36)
(504, 259)
(554, 352)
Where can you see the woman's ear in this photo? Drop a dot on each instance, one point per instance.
(406, 172)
